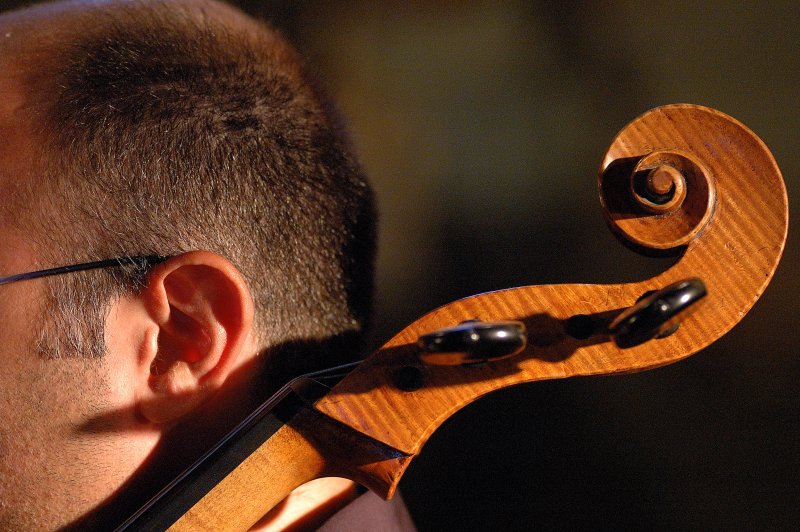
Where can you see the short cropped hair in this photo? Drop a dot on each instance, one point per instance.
(173, 126)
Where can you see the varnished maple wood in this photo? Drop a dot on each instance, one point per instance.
(664, 181)
(309, 446)
(735, 254)
(263, 480)
(732, 225)
(679, 219)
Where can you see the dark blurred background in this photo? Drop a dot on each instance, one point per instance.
(482, 126)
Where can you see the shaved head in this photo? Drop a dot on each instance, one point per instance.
(162, 127)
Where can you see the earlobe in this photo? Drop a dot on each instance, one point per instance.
(203, 313)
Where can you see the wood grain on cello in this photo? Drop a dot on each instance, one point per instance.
(680, 179)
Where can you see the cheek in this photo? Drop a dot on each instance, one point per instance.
(27, 446)
(45, 439)
(53, 397)
(130, 336)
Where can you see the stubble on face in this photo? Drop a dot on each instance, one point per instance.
(49, 469)
(49, 473)
(48, 464)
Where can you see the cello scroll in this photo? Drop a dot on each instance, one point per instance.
(729, 231)
(681, 179)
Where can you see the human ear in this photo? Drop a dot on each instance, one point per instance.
(203, 314)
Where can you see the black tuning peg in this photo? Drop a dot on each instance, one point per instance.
(656, 314)
(472, 342)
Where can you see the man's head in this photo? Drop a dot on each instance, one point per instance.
(162, 128)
